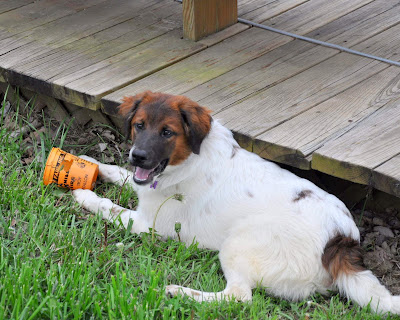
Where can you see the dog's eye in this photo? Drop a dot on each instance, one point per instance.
(139, 126)
(167, 133)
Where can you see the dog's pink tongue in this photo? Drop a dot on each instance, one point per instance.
(142, 174)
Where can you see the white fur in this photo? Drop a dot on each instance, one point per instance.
(246, 208)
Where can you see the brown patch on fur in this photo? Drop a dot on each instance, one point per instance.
(129, 101)
(128, 108)
(194, 293)
(251, 195)
(342, 255)
(182, 148)
(302, 195)
(116, 211)
(197, 119)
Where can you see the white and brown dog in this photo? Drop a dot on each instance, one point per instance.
(271, 228)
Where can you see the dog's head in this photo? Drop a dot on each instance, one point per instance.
(165, 130)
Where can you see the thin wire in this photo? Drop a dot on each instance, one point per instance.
(315, 41)
(322, 43)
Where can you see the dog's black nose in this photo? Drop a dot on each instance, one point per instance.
(138, 156)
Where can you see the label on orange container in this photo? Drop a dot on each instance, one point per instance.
(69, 171)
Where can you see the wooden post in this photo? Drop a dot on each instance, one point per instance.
(204, 17)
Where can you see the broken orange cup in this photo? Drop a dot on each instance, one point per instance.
(69, 171)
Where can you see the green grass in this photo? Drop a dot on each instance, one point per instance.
(56, 264)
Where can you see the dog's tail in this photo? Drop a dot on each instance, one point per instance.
(342, 258)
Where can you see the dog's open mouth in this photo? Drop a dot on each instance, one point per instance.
(144, 176)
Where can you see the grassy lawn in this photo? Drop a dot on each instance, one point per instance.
(59, 262)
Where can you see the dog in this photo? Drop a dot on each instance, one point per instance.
(271, 228)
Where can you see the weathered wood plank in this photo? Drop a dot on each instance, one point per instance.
(247, 79)
(266, 71)
(360, 24)
(106, 44)
(6, 6)
(261, 10)
(92, 41)
(98, 46)
(224, 34)
(204, 66)
(270, 107)
(89, 84)
(299, 137)
(109, 47)
(38, 13)
(354, 155)
(44, 40)
(311, 15)
(16, 26)
(11, 91)
(83, 116)
(386, 177)
(385, 44)
(204, 17)
(56, 109)
(236, 85)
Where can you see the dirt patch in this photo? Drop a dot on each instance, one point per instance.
(380, 238)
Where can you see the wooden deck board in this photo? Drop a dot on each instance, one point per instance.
(305, 133)
(355, 155)
(128, 42)
(43, 40)
(360, 24)
(79, 49)
(94, 81)
(203, 66)
(16, 25)
(38, 13)
(93, 48)
(385, 44)
(310, 15)
(6, 6)
(89, 46)
(227, 89)
(297, 94)
(266, 71)
(386, 177)
(239, 83)
(261, 10)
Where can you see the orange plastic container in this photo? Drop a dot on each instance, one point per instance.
(69, 171)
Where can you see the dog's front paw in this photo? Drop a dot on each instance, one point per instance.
(173, 290)
(84, 197)
(90, 159)
(106, 172)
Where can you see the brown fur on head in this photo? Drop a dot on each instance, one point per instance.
(163, 126)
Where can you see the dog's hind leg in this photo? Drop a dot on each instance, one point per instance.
(238, 284)
(110, 211)
(237, 290)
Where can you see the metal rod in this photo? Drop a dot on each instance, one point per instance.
(322, 43)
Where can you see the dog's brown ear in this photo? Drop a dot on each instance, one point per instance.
(197, 122)
(128, 108)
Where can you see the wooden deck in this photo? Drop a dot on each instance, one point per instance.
(288, 100)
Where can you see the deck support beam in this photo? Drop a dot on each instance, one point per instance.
(204, 17)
